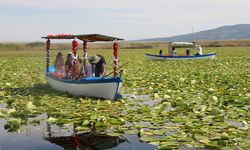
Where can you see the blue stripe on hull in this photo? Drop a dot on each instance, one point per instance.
(88, 80)
(185, 57)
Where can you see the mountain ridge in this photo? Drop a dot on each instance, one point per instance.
(228, 32)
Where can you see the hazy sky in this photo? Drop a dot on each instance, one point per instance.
(28, 20)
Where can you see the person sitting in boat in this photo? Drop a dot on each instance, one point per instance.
(88, 68)
(78, 67)
(199, 50)
(68, 66)
(98, 65)
(187, 52)
(173, 52)
(59, 66)
(160, 52)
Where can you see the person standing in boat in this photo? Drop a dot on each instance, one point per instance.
(98, 65)
(199, 50)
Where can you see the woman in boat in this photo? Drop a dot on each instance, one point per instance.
(59, 66)
(98, 65)
(68, 66)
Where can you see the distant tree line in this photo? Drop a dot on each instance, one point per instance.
(124, 45)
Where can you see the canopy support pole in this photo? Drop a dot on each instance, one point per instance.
(85, 57)
(47, 55)
(115, 53)
(74, 49)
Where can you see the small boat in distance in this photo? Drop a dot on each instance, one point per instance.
(172, 49)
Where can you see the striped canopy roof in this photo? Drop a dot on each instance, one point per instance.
(182, 44)
(83, 37)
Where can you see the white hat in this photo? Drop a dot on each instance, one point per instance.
(94, 59)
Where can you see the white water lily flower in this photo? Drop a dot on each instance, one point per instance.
(210, 90)
(7, 84)
(215, 98)
(133, 96)
(166, 96)
(248, 95)
(51, 120)
(182, 79)
(156, 96)
(193, 81)
(11, 111)
(30, 106)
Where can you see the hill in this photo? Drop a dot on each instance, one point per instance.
(232, 32)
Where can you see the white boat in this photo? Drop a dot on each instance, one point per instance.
(173, 45)
(106, 87)
(165, 57)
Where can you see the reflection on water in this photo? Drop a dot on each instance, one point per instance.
(51, 137)
(84, 141)
(37, 134)
(27, 139)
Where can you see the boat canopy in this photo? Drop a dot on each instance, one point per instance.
(182, 44)
(83, 37)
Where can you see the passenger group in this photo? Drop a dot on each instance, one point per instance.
(173, 52)
(96, 66)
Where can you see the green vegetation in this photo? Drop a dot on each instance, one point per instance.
(193, 103)
(39, 46)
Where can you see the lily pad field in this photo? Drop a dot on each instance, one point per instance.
(190, 104)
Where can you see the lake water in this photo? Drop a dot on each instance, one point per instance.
(51, 137)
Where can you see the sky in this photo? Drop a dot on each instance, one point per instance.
(28, 20)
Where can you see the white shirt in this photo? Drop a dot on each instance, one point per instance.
(88, 70)
(200, 50)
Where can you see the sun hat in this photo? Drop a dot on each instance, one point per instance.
(94, 59)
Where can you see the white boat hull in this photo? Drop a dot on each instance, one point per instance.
(101, 88)
(163, 57)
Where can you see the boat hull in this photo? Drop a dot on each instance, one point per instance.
(164, 57)
(106, 88)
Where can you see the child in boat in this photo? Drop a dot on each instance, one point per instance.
(59, 66)
(98, 65)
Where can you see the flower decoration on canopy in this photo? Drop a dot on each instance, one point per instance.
(58, 35)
